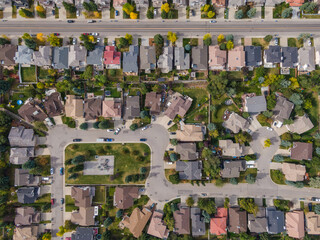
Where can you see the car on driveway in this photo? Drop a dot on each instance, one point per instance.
(173, 133)
(269, 129)
(51, 171)
(52, 201)
(153, 118)
(77, 140)
(110, 139)
(310, 207)
(117, 13)
(116, 132)
(145, 127)
(56, 34)
(143, 139)
(169, 122)
(61, 171)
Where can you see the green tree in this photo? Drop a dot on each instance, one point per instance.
(128, 8)
(158, 39)
(30, 43)
(4, 41)
(5, 120)
(119, 213)
(78, 159)
(53, 40)
(25, 13)
(207, 204)
(229, 37)
(150, 14)
(239, 14)
(217, 86)
(30, 164)
(104, 124)
(134, 126)
(4, 86)
(173, 157)
(207, 39)
(278, 158)
(96, 125)
(123, 42)
(144, 114)
(189, 201)
(249, 205)
(143, 170)
(233, 181)
(286, 13)
(250, 178)
(315, 182)
(174, 178)
(211, 127)
(296, 98)
(268, 38)
(211, 166)
(107, 222)
(88, 72)
(252, 12)
(69, 7)
(84, 126)
(89, 45)
(317, 209)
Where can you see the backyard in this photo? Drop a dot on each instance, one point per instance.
(28, 74)
(128, 159)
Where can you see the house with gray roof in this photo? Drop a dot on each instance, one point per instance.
(7, 53)
(300, 125)
(289, 57)
(236, 3)
(23, 55)
(199, 58)
(21, 3)
(187, 151)
(282, 110)
(43, 57)
(95, 57)
(255, 104)
(197, 3)
(21, 137)
(132, 107)
(198, 226)
(258, 223)
(77, 56)
(130, 60)
(232, 169)
(276, 223)
(165, 61)
(253, 56)
(83, 233)
(148, 58)
(60, 57)
(307, 62)
(26, 216)
(235, 123)
(22, 177)
(21, 155)
(272, 56)
(180, 3)
(189, 170)
(181, 59)
(28, 194)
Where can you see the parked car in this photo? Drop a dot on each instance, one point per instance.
(95, 34)
(145, 127)
(113, 43)
(61, 171)
(52, 201)
(78, 13)
(269, 129)
(117, 13)
(51, 171)
(173, 133)
(74, 41)
(276, 41)
(143, 139)
(171, 149)
(110, 130)
(110, 139)
(77, 140)
(91, 21)
(62, 200)
(56, 34)
(169, 163)
(155, 12)
(98, 40)
(169, 122)
(153, 118)
(309, 42)
(212, 21)
(204, 194)
(117, 131)
(310, 207)
(70, 21)
(315, 199)
(85, 33)
(193, 12)
(101, 140)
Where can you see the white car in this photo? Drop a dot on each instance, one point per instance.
(51, 171)
(145, 127)
(74, 41)
(110, 130)
(269, 129)
(98, 40)
(212, 21)
(117, 131)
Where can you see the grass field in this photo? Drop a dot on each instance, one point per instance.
(277, 177)
(100, 195)
(28, 74)
(129, 158)
(69, 202)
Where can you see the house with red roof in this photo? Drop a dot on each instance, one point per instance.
(112, 58)
(218, 224)
(295, 3)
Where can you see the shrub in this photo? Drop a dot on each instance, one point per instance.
(233, 181)
(96, 125)
(107, 222)
(190, 201)
(104, 124)
(84, 126)
(317, 209)
(286, 13)
(252, 12)
(174, 178)
(239, 14)
(134, 126)
(250, 178)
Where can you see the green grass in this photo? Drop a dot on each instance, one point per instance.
(294, 42)
(262, 12)
(311, 16)
(112, 13)
(173, 128)
(43, 73)
(123, 49)
(28, 74)
(114, 92)
(242, 178)
(260, 42)
(69, 204)
(217, 115)
(14, 12)
(45, 198)
(71, 15)
(56, 12)
(100, 195)
(277, 177)
(126, 161)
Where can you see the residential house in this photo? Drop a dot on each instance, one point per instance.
(180, 3)
(119, 3)
(165, 61)
(217, 58)
(157, 3)
(282, 110)
(275, 220)
(289, 57)
(219, 3)
(137, 221)
(132, 107)
(112, 108)
(95, 57)
(83, 233)
(256, 3)
(74, 106)
(258, 223)
(189, 170)
(300, 125)
(147, 58)
(103, 3)
(236, 3)
(190, 133)
(197, 222)
(236, 58)
(29, 233)
(28, 194)
(255, 104)
(272, 56)
(21, 3)
(295, 224)
(153, 102)
(178, 105)
(141, 3)
(197, 3)
(124, 196)
(293, 172)
(21, 155)
(301, 151)
(312, 223)
(218, 224)
(295, 3)
(272, 3)
(112, 58)
(7, 54)
(306, 59)
(43, 57)
(77, 57)
(157, 226)
(31, 112)
(187, 151)
(182, 220)
(53, 104)
(235, 123)
(21, 137)
(230, 148)
(92, 108)
(130, 60)
(199, 58)
(83, 217)
(22, 177)
(23, 55)
(237, 220)
(60, 57)
(232, 169)
(181, 59)
(26, 216)
(253, 56)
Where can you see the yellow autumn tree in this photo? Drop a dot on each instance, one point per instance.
(129, 38)
(40, 37)
(294, 83)
(97, 14)
(220, 38)
(206, 8)
(133, 15)
(165, 7)
(230, 45)
(91, 38)
(172, 37)
(39, 8)
(211, 14)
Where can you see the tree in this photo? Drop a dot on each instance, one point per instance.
(243, 137)
(46, 236)
(150, 14)
(134, 127)
(211, 127)
(96, 125)
(286, 13)
(315, 182)
(220, 38)
(158, 39)
(62, 231)
(89, 45)
(69, 7)
(84, 126)
(129, 38)
(133, 15)
(294, 184)
(25, 13)
(4, 86)
(143, 114)
(211, 166)
(271, 101)
(278, 158)
(123, 41)
(206, 217)
(173, 157)
(250, 178)
(53, 40)
(230, 45)
(211, 14)
(229, 37)
(267, 143)
(307, 104)
(88, 72)
(165, 7)
(218, 84)
(119, 213)
(268, 38)
(156, 88)
(4, 41)
(104, 124)
(207, 204)
(69, 226)
(5, 120)
(249, 205)
(143, 170)
(239, 14)
(189, 201)
(296, 99)
(78, 159)
(174, 178)
(107, 222)
(207, 40)
(174, 141)
(30, 43)
(252, 12)
(172, 37)
(233, 181)
(30, 164)
(285, 143)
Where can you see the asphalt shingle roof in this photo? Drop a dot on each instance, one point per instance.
(253, 56)
(130, 59)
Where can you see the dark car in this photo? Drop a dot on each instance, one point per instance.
(62, 200)
(169, 122)
(310, 207)
(61, 171)
(143, 139)
(77, 140)
(173, 133)
(70, 21)
(56, 34)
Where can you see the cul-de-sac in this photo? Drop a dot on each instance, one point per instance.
(159, 119)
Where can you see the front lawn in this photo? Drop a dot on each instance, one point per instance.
(294, 42)
(128, 159)
(252, 171)
(277, 177)
(100, 195)
(28, 74)
(260, 42)
(69, 203)
(279, 8)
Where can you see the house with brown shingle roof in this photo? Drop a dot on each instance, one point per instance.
(7, 53)
(22, 177)
(236, 123)
(178, 105)
(295, 224)
(26, 216)
(21, 155)
(236, 59)
(157, 226)
(300, 125)
(182, 220)
(29, 233)
(112, 108)
(230, 148)
(92, 108)
(31, 112)
(83, 217)
(153, 102)
(190, 133)
(219, 3)
(258, 223)
(294, 172)
(124, 196)
(237, 220)
(74, 106)
(218, 224)
(217, 58)
(187, 151)
(312, 223)
(53, 104)
(301, 151)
